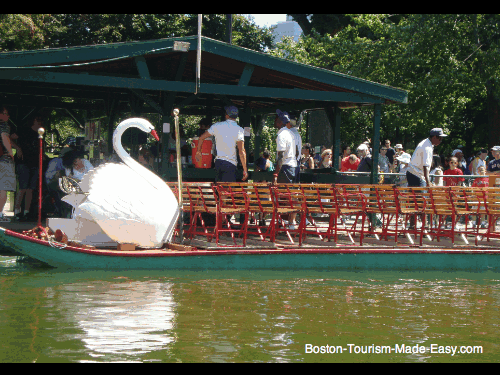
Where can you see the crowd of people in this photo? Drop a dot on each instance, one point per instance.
(424, 167)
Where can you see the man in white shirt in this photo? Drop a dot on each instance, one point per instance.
(298, 141)
(421, 160)
(228, 136)
(288, 152)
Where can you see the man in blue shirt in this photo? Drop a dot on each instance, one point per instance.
(494, 165)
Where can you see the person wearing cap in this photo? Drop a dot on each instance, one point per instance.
(421, 160)
(399, 149)
(287, 148)
(404, 160)
(494, 165)
(229, 136)
(366, 163)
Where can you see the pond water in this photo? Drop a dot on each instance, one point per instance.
(47, 315)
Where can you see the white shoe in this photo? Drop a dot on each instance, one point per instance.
(292, 226)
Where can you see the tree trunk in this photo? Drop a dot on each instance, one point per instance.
(493, 115)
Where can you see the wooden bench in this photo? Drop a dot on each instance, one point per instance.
(260, 205)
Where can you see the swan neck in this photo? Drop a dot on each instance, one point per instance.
(125, 157)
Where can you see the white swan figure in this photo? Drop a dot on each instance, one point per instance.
(127, 201)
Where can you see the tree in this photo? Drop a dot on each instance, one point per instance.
(25, 31)
(36, 31)
(446, 62)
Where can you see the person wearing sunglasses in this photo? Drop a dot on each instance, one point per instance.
(454, 170)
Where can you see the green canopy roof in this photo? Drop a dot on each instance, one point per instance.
(154, 71)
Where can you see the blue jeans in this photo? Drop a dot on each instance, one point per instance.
(287, 174)
(414, 181)
(225, 171)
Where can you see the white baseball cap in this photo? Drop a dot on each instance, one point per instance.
(404, 158)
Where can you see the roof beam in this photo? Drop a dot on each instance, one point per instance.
(188, 87)
(94, 80)
(94, 52)
(246, 75)
(296, 94)
(142, 67)
(139, 93)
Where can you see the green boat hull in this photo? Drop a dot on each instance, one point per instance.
(244, 259)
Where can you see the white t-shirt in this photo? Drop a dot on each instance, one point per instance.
(298, 142)
(226, 134)
(286, 142)
(422, 156)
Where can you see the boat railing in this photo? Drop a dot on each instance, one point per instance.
(388, 211)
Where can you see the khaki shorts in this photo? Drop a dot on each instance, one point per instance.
(7, 176)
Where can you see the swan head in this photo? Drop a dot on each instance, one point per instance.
(140, 123)
(147, 127)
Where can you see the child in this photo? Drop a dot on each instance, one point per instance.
(453, 171)
(481, 181)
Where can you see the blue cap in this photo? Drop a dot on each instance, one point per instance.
(437, 131)
(231, 110)
(283, 116)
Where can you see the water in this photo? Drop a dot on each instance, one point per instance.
(48, 315)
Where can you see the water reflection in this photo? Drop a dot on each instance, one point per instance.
(126, 318)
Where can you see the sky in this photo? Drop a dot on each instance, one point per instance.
(268, 19)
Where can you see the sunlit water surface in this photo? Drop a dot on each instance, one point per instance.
(47, 315)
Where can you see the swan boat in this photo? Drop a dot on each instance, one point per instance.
(127, 204)
(180, 257)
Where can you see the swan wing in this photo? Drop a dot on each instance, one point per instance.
(124, 204)
(74, 199)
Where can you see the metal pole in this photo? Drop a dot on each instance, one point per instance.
(40, 136)
(175, 112)
(198, 56)
(229, 28)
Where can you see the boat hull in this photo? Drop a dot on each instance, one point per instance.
(245, 259)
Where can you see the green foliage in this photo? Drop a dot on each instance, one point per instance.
(31, 31)
(36, 31)
(445, 62)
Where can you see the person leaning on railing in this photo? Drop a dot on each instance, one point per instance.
(421, 160)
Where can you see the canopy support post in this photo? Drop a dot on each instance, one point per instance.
(375, 143)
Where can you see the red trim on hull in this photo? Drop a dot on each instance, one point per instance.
(232, 251)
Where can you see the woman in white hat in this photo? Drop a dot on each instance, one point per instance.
(399, 149)
(403, 160)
